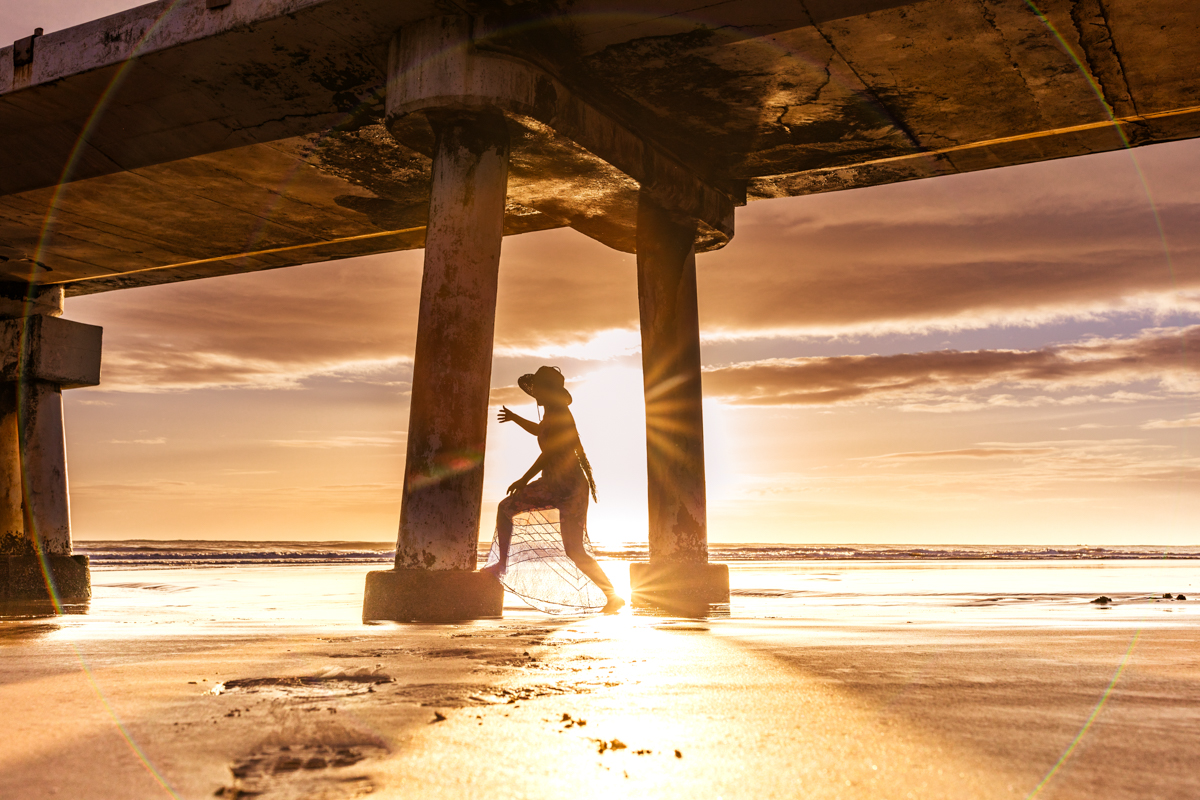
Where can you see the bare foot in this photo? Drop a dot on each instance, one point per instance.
(495, 570)
(613, 605)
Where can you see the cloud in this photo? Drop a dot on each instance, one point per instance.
(508, 395)
(351, 495)
(1017, 471)
(344, 441)
(1191, 421)
(1156, 355)
(1065, 481)
(1068, 239)
(970, 452)
(895, 274)
(268, 329)
(1112, 461)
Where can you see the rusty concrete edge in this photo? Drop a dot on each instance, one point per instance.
(659, 583)
(24, 578)
(416, 595)
(135, 33)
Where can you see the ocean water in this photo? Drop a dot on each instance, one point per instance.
(146, 554)
(174, 586)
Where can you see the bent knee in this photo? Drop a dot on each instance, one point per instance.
(575, 552)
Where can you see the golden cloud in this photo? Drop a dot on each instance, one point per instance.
(1163, 355)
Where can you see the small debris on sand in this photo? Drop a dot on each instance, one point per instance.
(1180, 597)
(1167, 596)
(602, 745)
(678, 754)
(438, 717)
(1102, 600)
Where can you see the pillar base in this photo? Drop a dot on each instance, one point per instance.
(23, 579)
(418, 595)
(680, 587)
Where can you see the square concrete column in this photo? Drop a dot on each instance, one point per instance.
(435, 575)
(39, 356)
(678, 575)
(43, 448)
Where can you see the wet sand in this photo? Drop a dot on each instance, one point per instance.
(185, 683)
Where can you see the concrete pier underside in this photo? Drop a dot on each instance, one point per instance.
(281, 104)
(270, 133)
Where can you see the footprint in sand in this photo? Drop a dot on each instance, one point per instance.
(323, 771)
(302, 758)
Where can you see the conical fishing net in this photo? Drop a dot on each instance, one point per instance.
(539, 571)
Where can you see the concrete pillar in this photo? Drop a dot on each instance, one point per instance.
(12, 515)
(678, 573)
(452, 369)
(435, 575)
(44, 468)
(666, 270)
(39, 356)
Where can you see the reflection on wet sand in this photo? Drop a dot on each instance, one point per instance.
(840, 681)
(14, 612)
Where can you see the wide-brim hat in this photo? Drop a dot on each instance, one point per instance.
(547, 382)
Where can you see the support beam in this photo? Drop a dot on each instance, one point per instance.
(452, 370)
(678, 573)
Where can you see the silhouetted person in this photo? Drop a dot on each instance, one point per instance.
(565, 483)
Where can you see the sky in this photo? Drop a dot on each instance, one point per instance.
(1004, 357)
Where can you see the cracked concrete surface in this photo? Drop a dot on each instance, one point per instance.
(251, 137)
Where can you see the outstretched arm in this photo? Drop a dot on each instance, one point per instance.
(504, 415)
(528, 476)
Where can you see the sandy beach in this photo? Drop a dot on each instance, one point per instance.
(826, 680)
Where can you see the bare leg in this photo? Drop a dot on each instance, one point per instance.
(572, 535)
(504, 529)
